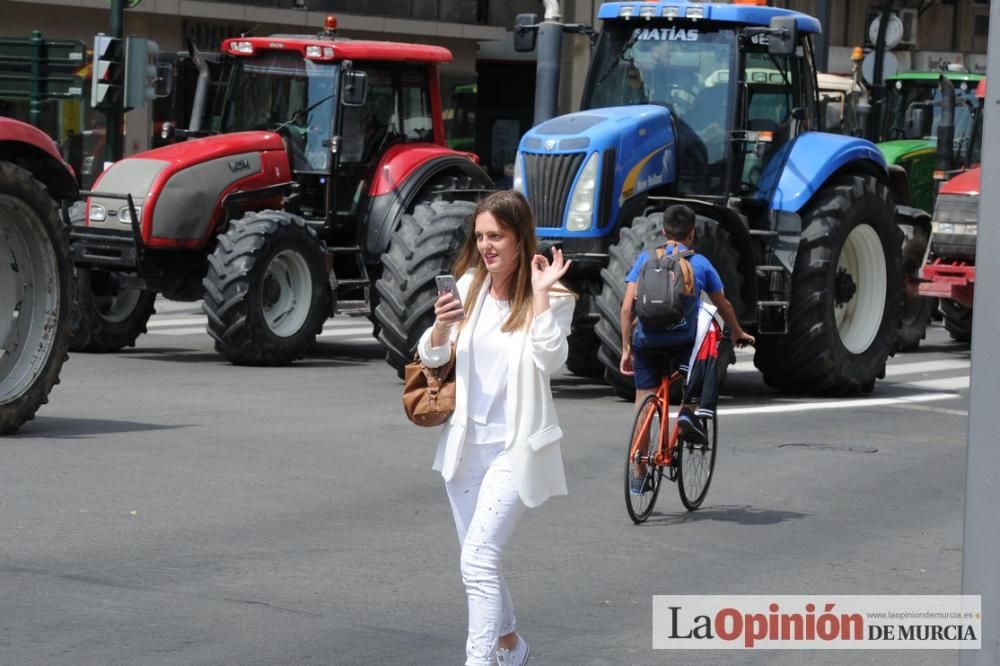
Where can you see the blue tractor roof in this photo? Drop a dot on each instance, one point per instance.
(753, 15)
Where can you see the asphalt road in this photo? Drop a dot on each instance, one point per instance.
(168, 508)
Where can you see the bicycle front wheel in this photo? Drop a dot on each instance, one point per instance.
(642, 477)
(695, 465)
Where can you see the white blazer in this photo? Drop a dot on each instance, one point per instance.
(533, 432)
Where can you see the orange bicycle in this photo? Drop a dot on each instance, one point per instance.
(656, 450)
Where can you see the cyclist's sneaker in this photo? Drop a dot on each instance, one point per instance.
(515, 657)
(641, 484)
(691, 427)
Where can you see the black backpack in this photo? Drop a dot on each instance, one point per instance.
(665, 289)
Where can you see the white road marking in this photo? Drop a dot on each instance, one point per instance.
(896, 369)
(165, 322)
(858, 403)
(943, 384)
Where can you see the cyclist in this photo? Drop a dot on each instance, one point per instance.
(646, 355)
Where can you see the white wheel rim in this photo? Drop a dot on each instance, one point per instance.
(860, 318)
(286, 293)
(29, 297)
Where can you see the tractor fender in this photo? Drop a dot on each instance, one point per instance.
(809, 162)
(35, 150)
(401, 181)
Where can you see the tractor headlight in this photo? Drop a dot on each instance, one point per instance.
(518, 179)
(582, 202)
(124, 216)
(626, 12)
(694, 12)
(955, 228)
(98, 213)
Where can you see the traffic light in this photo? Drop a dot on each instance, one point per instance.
(108, 74)
(142, 58)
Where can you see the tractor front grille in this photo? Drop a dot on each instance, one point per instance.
(548, 179)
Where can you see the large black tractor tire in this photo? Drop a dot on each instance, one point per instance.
(583, 341)
(35, 296)
(957, 320)
(846, 294)
(917, 310)
(266, 290)
(644, 234)
(916, 317)
(107, 317)
(423, 246)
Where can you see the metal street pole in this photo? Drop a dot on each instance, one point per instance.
(115, 126)
(981, 538)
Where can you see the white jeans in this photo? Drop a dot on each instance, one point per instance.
(486, 508)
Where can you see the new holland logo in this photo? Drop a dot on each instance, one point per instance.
(239, 165)
(550, 144)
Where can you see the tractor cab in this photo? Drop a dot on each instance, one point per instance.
(339, 106)
(913, 105)
(726, 126)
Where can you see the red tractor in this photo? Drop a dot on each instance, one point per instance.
(949, 272)
(35, 270)
(328, 189)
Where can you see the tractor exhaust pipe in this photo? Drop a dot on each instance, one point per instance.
(547, 69)
(201, 90)
(945, 158)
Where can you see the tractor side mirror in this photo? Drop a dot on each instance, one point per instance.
(164, 80)
(918, 121)
(783, 35)
(831, 109)
(525, 32)
(355, 88)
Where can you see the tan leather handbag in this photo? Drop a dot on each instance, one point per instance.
(429, 393)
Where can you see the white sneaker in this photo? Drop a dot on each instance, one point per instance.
(516, 657)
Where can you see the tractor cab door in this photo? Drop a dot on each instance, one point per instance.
(779, 102)
(396, 110)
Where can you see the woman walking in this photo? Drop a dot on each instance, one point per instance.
(499, 452)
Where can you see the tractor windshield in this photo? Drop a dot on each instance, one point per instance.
(280, 89)
(903, 95)
(683, 66)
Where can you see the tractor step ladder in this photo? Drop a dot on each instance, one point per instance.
(350, 279)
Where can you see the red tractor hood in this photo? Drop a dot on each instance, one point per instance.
(966, 182)
(181, 191)
(212, 147)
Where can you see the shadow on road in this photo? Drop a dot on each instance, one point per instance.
(743, 515)
(54, 427)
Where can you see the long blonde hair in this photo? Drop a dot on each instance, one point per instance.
(513, 214)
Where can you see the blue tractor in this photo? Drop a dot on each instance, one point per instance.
(715, 106)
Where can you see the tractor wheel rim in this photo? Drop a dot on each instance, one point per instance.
(29, 297)
(287, 294)
(863, 260)
(118, 304)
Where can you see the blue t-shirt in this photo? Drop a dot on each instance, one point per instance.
(706, 279)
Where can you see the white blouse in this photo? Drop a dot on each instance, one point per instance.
(488, 374)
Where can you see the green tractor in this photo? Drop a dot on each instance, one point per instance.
(907, 129)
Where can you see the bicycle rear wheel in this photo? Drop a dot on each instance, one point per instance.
(695, 465)
(642, 446)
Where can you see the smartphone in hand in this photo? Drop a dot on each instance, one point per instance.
(447, 284)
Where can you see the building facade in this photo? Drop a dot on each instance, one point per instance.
(485, 67)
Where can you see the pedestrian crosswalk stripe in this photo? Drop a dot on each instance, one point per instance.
(895, 369)
(941, 384)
